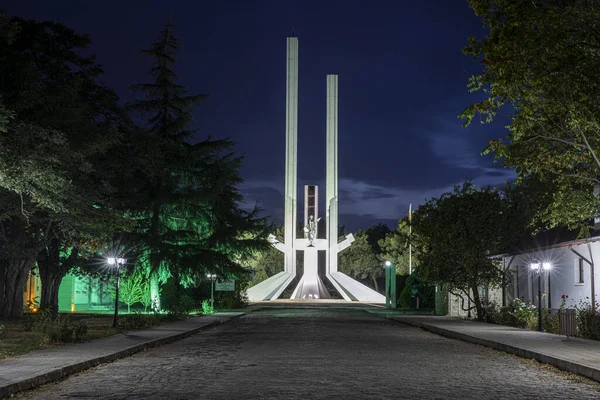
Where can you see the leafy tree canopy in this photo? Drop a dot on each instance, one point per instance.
(395, 247)
(540, 64)
(462, 230)
(360, 261)
(56, 121)
(186, 199)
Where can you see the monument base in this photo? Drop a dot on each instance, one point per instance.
(271, 288)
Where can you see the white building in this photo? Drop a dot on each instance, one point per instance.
(572, 273)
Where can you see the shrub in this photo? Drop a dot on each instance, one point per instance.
(2, 330)
(413, 287)
(207, 308)
(588, 321)
(502, 316)
(182, 306)
(550, 321)
(55, 330)
(526, 313)
(139, 320)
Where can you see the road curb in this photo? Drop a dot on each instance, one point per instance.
(61, 373)
(565, 365)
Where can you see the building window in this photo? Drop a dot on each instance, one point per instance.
(579, 264)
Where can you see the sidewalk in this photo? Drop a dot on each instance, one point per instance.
(574, 355)
(43, 366)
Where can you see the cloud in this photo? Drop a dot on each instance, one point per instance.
(461, 150)
(360, 200)
(364, 201)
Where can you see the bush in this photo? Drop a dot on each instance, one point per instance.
(207, 308)
(414, 287)
(527, 314)
(503, 316)
(140, 320)
(2, 329)
(550, 321)
(588, 321)
(183, 306)
(55, 330)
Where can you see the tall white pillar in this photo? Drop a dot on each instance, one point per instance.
(331, 189)
(291, 154)
(310, 284)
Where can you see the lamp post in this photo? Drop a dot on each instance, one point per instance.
(390, 284)
(118, 263)
(539, 269)
(212, 278)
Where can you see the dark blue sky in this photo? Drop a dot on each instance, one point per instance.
(402, 83)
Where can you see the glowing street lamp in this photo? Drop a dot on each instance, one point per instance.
(118, 263)
(539, 269)
(212, 278)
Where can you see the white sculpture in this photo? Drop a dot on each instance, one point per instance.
(310, 230)
(310, 285)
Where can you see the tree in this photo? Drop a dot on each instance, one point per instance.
(360, 261)
(540, 68)
(395, 248)
(375, 233)
(186, 200)
(463, 229)
(268, 262)
(56, 118)
(134, 288)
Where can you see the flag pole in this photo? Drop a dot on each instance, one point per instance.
(409, 239)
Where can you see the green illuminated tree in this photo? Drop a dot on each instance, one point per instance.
(540, 62)
(461, 230)
(134, 288)
(185, 200)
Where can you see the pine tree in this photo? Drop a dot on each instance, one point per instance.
(187, 202)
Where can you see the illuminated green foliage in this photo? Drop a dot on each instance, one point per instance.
(184, 196)
(134, 288)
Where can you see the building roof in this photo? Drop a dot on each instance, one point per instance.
(546, 246)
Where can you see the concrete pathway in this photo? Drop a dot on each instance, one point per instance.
(39, 367)
(574, 355)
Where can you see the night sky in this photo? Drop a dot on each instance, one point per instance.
(402, 83)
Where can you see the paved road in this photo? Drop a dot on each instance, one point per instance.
(317, 354)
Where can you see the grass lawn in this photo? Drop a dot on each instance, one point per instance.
(16, 340)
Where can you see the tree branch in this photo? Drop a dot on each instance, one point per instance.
(571, 175)
(463, 300)
(587, 143)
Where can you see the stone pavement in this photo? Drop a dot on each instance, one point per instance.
(310, 330)
(574, 355)
(321, 353)
(43, 366)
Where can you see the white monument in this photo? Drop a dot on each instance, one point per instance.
(310, 286)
